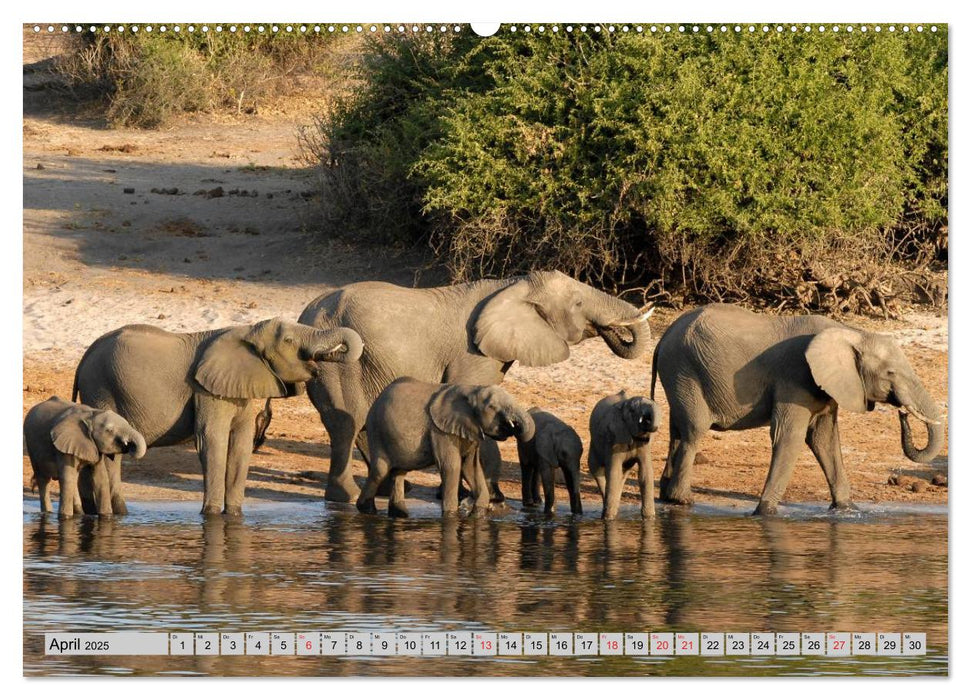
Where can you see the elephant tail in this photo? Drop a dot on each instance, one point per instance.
(654, 369)
(74, 389)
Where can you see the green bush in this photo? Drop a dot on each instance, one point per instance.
(147, 78)
(794, 167)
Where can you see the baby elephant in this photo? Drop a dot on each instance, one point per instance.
(555, 444)
(64, 437)
(415, 425)
(620, 437)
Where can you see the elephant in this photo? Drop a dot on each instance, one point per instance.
(63, 438)
(415, 425)
(464, 334)
(726, 368)
(208, 385)
(554, 444)
(621, 428)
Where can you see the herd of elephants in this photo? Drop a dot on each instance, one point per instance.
(410, 377)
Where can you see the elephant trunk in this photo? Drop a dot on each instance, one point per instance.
(137, 446)
(920, 404)
(525, 428)
(342, 344)
(623, 327)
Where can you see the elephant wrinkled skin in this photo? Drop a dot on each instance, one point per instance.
(467, 333)
(208, 385)
(725, 368)
(554, 444)
(415, 425)
(64, 438)
(621, 427)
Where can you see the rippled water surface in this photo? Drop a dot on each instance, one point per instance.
(306, 567)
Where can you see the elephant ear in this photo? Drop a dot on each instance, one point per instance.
(511, 327)
(452, 413)
(832, 357)
(232, 368)
(72, 436)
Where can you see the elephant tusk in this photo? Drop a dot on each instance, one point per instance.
(919, 416)
(322, 354)
(643, 314)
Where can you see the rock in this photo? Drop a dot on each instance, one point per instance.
(893, 480)
(918, 486)
(939, 480)
(161, 317)
(130, 190)
(701, 459)
(40, 166)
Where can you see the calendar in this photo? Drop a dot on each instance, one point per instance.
(505, 644)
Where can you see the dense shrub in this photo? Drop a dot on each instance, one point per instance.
(797, 167)
(147, 78)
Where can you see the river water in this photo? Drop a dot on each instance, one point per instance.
(296, 567)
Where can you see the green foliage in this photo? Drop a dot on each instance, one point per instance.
(147, 78)
(711, 166)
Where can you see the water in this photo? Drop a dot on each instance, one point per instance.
(306, 566)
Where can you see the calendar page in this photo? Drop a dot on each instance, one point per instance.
(522, 349)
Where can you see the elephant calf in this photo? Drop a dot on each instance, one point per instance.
(554, 444)
(620, 438)
(415, 425)
(63, 438)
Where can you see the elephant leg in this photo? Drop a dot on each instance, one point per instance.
(101, 487)
(549, 487)
(614, 487)
(212, 444)
(645, 480)
(789, 426)
(677, 489)
(674, 440)
(491, 461)
(68, 478)
(474, 475)
(238, 459)
(86, 490)
(450, 467)
(113, 467)
(571, 476)
(44, 494)
(397, 507)
(377, 474)
(526, 474)
(343, 429)
(601, 480)
(823, 439)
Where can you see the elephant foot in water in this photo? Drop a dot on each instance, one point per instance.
(343, 491)
(844, 507)
(396, 511)
(764, 508)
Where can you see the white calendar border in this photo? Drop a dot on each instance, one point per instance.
(11, 646)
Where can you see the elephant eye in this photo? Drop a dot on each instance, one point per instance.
(288, 339)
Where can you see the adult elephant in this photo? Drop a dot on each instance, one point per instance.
(727, 368)
(464, 334)
(173, 386)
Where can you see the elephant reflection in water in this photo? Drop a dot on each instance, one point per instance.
(227, 547)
